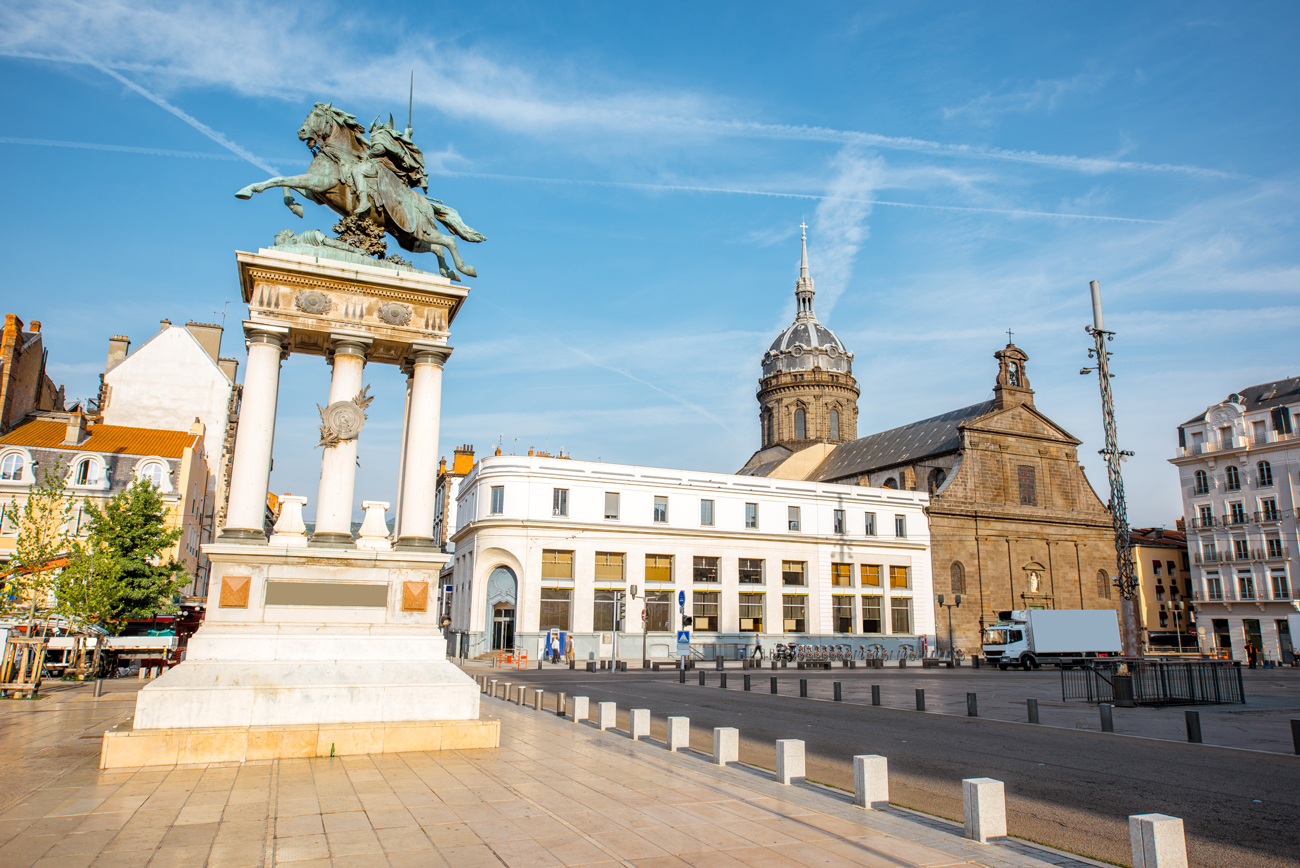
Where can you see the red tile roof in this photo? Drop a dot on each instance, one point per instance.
(105, 439)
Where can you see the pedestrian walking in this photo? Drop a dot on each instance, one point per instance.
(1252, 654)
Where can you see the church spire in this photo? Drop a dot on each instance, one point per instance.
(803, 288)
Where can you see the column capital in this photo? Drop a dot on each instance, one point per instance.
(349, 345)
(429, 354)
(258, 333)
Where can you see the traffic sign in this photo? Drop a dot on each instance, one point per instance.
(681, 598)
(683, 637)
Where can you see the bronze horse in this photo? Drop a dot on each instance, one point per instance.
(338, 144)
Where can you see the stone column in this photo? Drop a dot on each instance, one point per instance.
(250, 473)
(338, 470)
(420, 451)
(401, 460)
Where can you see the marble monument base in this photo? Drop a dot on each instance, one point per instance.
(305, 652)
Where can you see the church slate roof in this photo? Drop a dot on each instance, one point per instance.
(934, 436)
(809, 335)
(1262, 397)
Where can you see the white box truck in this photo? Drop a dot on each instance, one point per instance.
(1028, 638)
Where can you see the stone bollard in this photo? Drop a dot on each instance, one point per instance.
(803, 687)
(606, 714)
(561, 704)
(726, 745)
(839, 695)
(140, 673)
(920, 699)
(1032, 705)
(984, 805)
(537, 699)
(581, 709)
(1157, 841)
(639, 723)
(875, 694)
(789, 761)
(773, 685)
(1193, 726)
(679, 733)
(748, 682)
(972, 708)
(871, 781)
(1107, 717)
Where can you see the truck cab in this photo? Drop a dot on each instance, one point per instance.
(1005, 643)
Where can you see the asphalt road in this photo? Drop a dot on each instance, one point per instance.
(1066, 788)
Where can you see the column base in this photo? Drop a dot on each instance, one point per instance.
(416, 544)
(242, 536)
(333, 540)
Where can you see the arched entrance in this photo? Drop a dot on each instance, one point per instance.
(501, 588)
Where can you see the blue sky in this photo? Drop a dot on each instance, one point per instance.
(640, 172)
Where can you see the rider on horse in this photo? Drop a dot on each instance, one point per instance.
(393, 150)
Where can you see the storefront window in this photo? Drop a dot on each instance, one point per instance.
(872, 621)
(658, 610)
(602, 619)
(842, 614)
(751, 613)
(705, 611)
(900, 611)
(795, 612)
(557, 609)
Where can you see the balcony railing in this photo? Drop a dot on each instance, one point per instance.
(1203, 523)
(1268, 515)
(1280, 554)
(1212, 558)
(1237, 443)
(1235, 520)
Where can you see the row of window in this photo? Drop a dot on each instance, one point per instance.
(560, 509)
(1232, 478)
(610, 567)
(1268, 511)
(87, 471)
(1246, 585)
(557, 612)
(1241, 549)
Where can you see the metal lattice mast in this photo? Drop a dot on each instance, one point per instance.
(1125, 580)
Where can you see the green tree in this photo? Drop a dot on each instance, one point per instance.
(43, 521)
(87, 589)
(132, 529)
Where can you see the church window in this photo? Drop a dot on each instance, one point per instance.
(12, 467)
(751, 515)
(706, 513)
(800, 424)
(1202, 482)
(937, 477)
(1234, 478)
(1103, 584)
(871, 524)
(958, 574)
(1013, 374)
(835, 424)
(611, 505)
(767, 421)
(1028, 485)
(1264, 475)
(661, 509)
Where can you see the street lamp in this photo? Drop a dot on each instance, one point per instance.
(950, 607)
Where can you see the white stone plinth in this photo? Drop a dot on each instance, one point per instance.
(290, 531)
(606, 714)
(984, 806)
(639, 723)
(726, 745)
(1157, 841)
(790, 761)
(871, 781)
(373, 535)
(581, 709)
(679, 733)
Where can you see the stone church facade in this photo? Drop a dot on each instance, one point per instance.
(1014, 522)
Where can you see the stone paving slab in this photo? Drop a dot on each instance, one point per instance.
(554, 794)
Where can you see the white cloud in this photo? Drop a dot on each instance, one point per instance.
(1044, 95)
(840, 224)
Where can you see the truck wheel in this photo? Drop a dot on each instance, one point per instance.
(1028, 662)
(1003, 666)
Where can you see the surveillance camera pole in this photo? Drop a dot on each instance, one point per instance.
(1125, 580)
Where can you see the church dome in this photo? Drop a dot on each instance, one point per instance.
(806, 344)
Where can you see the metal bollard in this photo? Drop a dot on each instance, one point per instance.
(505, 691)
(773, 685)
(492, 688)
(984, 808)
(871, 781)
(1295, 735)
(789, 761)
(726, 745)
(803, 687)
(520, 693)
(1032, 704)
(1107, 717)
(718, 661)
(99, 687)
(1157, 841)
(1193, 726)
(701, 677)
(747, 682)
(539, 663)
(679, 733)
(972, 710)
(537, 699)
(920, 699)
(681, 675)
(839, 696)
(722, 681)
(875, 694)
(561, 704)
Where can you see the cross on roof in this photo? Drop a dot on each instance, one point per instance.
(804, 227)
(1008, 336)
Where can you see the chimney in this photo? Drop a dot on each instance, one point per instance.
(164, 324)
(462, 461)
(208, 336)
(229, 367)
(118, 347)
(34, 326)
(76, 431)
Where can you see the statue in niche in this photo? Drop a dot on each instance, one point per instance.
(376, 181)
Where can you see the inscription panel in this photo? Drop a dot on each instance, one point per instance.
(351, 595)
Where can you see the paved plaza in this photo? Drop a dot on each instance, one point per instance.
(555, 794)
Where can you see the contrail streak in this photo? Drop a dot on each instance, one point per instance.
(127, 149)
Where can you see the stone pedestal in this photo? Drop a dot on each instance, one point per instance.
(321, 646)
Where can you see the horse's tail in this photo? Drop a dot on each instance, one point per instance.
(450, 218)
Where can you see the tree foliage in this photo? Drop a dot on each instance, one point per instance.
(45, 533)
(132, 533)
(87, 590)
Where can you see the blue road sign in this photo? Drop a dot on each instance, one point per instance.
(681, 598)
(683, 637)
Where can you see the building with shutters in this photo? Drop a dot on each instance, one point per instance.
(546, 543)
(1239, 469)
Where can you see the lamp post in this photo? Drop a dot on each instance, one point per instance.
(950, 607)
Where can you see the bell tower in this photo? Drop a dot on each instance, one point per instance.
(1012, 385)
